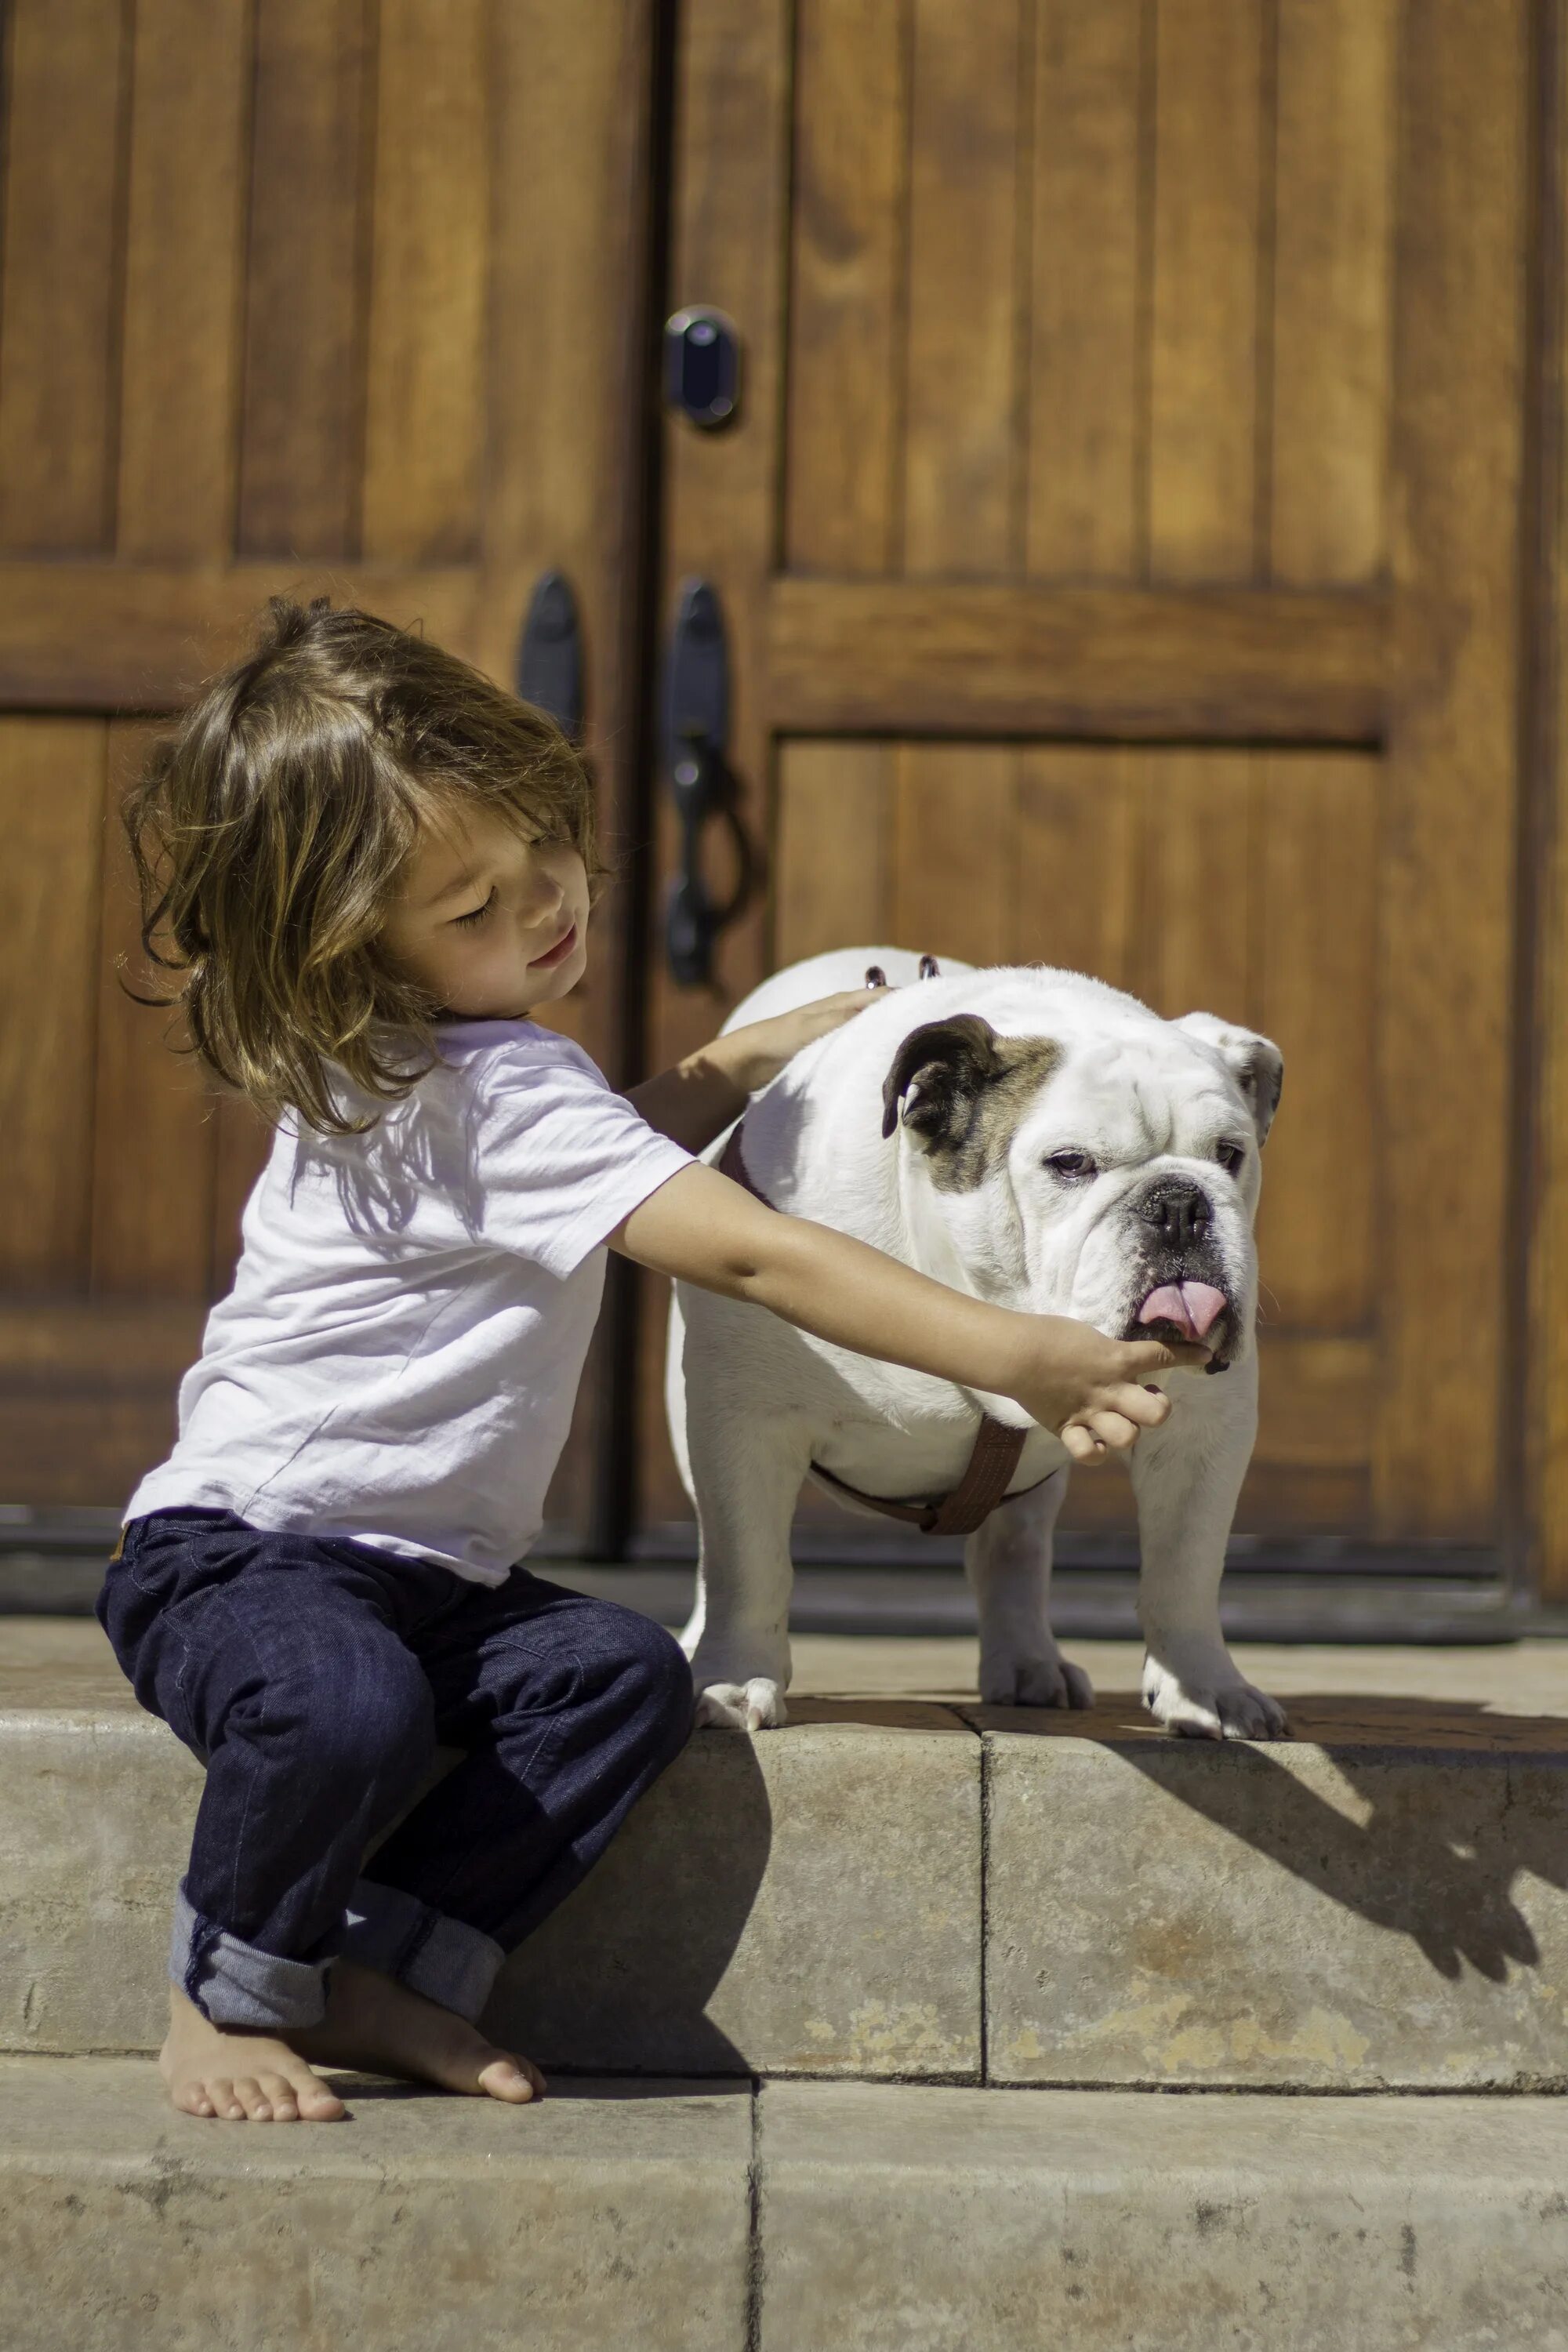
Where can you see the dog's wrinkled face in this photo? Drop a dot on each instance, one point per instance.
(1111, 1177)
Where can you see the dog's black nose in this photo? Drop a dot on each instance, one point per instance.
(1178, 1210)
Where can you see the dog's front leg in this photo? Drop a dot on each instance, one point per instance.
(1187, 1477)
(1008, 1564)
(746, 1472)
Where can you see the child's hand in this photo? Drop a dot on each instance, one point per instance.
(754, 1057)
(1088, 1389)
(701, 1097)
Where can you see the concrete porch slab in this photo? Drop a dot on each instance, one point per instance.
(1379, 1901)
(921, 2219)
(613, 2215)
(807, 1902)
(1383, 1901)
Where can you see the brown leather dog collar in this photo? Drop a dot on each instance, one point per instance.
(992, 1460)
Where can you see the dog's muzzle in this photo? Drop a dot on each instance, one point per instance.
(1177, 1299)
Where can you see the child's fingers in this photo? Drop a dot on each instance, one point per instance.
(1112, 1429)
(1142, 1357)
(1148, 1407)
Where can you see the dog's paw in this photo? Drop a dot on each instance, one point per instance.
(1218, 1705)
(1041, 1681)
(754, 1705)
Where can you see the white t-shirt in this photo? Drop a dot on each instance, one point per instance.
(399, 1356)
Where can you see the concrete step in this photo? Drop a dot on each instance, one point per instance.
(616, 2216)
(897, 1887)
(806, 2218)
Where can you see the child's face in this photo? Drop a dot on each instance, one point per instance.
(491, 925)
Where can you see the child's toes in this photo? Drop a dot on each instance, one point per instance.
(254, 2100)
(316, 2103)
(220, 2090)
(192, 2100)
(512, 2078)
(278, 2093)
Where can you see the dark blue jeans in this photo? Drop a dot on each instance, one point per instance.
(315, 1679)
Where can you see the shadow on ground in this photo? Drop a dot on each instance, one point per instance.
(1419, 1815)
(619, 1979)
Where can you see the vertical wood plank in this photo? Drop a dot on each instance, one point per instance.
(51, 796)
(1084, 407)
(1446, 970)
(1331, 290)
(59, 299)
(730, 237)
(843, 418)
(183, 260)
(1202, 821)
(730, 221)
(304, 343)
(576, 169)
(954, 870)
(1208, 99)
(1546, 1330)
(830, 856)
(960, 399)
(1079, 810)
(155, 1135)
(1317, 958)
(424, 406)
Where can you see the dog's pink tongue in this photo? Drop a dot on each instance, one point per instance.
(1193, 1306)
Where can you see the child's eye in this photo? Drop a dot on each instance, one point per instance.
(475, 914)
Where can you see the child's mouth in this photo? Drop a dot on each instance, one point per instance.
(557, 954)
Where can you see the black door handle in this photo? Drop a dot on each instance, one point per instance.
(550, 654)
(696, 729)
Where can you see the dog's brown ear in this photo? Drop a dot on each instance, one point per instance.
(936, 1073)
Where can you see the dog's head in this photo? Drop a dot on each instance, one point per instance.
(1110, 1171)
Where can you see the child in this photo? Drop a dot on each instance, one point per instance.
(371, 866)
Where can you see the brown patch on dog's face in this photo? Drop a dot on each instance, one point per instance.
(967, 1087)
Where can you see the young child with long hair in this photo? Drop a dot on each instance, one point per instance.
(370, 868)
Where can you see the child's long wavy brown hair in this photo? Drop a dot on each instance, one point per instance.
(269, 830)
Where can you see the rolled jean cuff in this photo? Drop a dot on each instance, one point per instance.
(233, 1983)
(440, 1957)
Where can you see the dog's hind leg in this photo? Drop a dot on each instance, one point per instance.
(1008, 1564)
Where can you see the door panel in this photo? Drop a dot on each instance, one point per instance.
(1117, 572)
(1074, 300)
(1195, 880)
(297, 296)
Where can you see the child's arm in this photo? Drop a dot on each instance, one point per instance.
(698, 1098)
(1070, 1378)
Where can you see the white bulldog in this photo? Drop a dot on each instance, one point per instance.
(1041, 1141)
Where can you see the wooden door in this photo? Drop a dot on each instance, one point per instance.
(299, 295)
(1119, 540)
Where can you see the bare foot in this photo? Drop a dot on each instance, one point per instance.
(238, 2075)
(380, 2027)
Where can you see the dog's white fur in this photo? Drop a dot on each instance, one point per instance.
(753, 1402)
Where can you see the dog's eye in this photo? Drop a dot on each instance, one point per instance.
(1072, 1167)
(1232, 1157)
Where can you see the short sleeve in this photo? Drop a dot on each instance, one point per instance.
(561, 1159)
